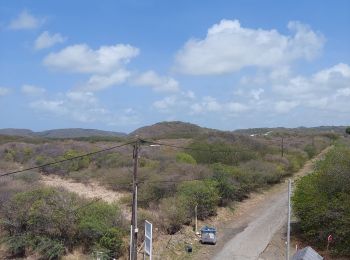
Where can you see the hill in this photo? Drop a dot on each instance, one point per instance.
(173, 129)
(17, 132)
(60, 133)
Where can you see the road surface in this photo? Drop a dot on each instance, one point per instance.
(258, 219)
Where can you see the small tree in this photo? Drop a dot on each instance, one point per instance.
(347, 130)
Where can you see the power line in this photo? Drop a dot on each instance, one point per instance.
(196, 149)
(65, 160)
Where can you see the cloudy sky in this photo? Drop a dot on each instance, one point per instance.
(119, 65)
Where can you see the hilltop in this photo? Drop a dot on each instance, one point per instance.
(172, 129)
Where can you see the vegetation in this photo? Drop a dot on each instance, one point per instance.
(321, 202)
(50, 222)
(347, 130)
(216, 169)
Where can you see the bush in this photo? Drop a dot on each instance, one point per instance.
(185, 158)
(49, 221)
(226, 183)
(43, 218)
(112, 242)
(204, 194)
(174, 214)
(310, 150)
(228, 154)
(95, 220)
(321, 202)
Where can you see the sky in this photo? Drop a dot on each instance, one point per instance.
(121, 64)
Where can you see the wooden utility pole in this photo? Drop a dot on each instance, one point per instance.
(134, 229)
(282, 147)
(195, 220)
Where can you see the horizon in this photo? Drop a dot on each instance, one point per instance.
(129, 132)
(118, 66)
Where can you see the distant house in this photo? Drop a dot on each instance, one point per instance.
(307, 253)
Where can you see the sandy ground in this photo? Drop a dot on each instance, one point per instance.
(91, 191)
(253, 231)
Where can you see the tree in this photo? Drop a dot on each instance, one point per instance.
(321, 202)
(347, 130)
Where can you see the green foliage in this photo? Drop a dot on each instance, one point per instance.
(204, 194)
(112, 242)
(48, 222)
(113, 160)
(310, 150)
(185, 158)
(175, 213)
(95, 220)
(230, 155)
(226, 183)
(347, 130)
(321, 201)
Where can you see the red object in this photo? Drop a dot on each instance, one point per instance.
(330, 238)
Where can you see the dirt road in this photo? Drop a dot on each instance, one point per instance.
(247, 235)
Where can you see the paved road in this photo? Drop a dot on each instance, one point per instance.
(251, 242)
(251, 232)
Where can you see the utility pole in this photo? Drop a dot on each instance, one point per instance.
(134, 229)
(195, 220)
(289, 213)
(282, 146)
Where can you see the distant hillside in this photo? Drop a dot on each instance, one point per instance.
(17, 132)
(302, 130)
(61, 133)
(173, 129)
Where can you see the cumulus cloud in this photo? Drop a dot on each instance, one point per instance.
(81, 58)
(84, 107)
(25, 21)
(326, 80)
(229, 47)
(32, 90)
(285, 106)
(100, 82)
(156, 82)
(4, 91)
(46, 40)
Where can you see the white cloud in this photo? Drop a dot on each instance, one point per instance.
(256, 93)
(25, 20)
(236, 107)
(32, 90)
(212, 105)
(4, 91)
(285, 106)
(324, 82)
(84, 107)
(46, 40)
(100, 82)
(156, 82)
(166, 103)
(343, 92)
(81, 58)
(228, 47)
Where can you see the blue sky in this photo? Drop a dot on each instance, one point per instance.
(119, 65)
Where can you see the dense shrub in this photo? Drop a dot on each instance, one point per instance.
(221, 153)
(49, 222)
(204, 194)
(185, 158)
(174, 213)
(310, 150)
(321, 202)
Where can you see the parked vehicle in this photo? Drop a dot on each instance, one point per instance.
(208, 235)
